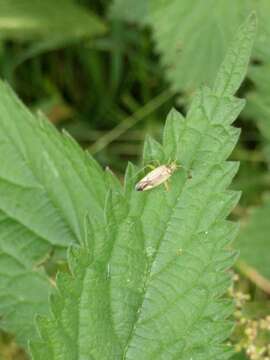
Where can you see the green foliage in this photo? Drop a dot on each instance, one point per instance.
(153, 289)
(253, 240)
(39, 26)
(191, 39)
(31, 20)
(47, 185)
(259, 102)
(92, 84)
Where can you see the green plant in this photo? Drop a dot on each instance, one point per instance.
(150, 281)
(153, 262)
(37, 23)
(47, 185)
(192, 57)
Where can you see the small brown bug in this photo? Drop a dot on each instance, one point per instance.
(156, 177)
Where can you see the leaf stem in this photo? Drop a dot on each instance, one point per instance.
(254, 276)
(130, 121)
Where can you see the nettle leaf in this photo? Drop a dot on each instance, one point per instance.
(191, 55)
(47, 186)
(253, 241)
(156, 291)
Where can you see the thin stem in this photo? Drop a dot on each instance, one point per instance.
(130, 121)
(254, 276)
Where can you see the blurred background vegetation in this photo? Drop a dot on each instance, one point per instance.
(109, 72)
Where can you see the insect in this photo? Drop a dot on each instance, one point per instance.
(158, 176)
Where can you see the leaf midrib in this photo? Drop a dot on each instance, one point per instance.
(148, 276)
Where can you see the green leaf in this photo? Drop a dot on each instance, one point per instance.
(155, 292)
(190, 38)
(231, 73)
(47, 186)
(254, 242)
(191, 53)
(30, 20)
(258, 102)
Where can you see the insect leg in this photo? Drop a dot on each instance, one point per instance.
(166, 184)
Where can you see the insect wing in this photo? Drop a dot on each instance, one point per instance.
(143, 185)
(154, 178)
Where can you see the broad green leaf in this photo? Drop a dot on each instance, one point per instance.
(156, 290)
(254, 242)
(231, 73)
(37, 19)
(192, 37)
(258, 100)
(47, 186)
